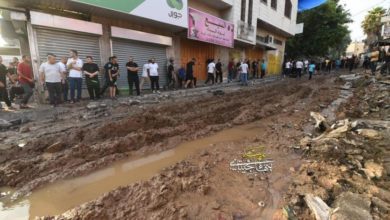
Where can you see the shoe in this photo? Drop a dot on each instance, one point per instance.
(154, 91)
(22, 106)
(158, 91)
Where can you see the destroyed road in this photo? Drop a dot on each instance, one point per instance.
(201, 185)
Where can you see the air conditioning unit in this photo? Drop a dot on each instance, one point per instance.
(269, 39)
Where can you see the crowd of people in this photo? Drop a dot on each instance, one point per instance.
(63, 80)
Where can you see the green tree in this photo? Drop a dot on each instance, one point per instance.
(372, 23)
(325, 30)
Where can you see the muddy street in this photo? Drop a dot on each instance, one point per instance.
(171, 159)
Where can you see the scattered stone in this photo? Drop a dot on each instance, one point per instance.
(54, 148)
(382, 205)
(4, 124)
(321, 123)
(304, 142)
(370, 133)
(204, 153)
(352, 206)
(318, 207)
(373, 170)
(92, 106)
(134, 102)
(24, 129)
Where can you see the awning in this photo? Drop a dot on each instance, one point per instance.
(309, 4)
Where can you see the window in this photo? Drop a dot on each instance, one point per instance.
(278, 42)
(264, 1)
(274, 4)
(250, 12)
(287, 9)
(243, 9)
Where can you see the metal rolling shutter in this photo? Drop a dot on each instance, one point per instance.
(141, 52)
(60, 42)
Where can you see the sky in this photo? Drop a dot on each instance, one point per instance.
(358, 10)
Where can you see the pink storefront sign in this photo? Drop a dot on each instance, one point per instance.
(211, 29)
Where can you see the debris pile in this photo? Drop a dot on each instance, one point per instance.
(347, 171)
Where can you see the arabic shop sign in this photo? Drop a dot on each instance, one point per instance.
(167, 11)
(211, 29)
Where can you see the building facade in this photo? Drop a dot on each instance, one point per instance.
(144, 29)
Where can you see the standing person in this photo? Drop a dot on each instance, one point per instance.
(231, 70)
(145, 74)
(181, 75)
(171, 75)
(51, 75)
(3, 84)
(107, 66)
(374, 60)
(244, 68)
(328, 65)
(263, 68)
(154, 78)
(65, 81)
(26, 80)
(113, 73)
(91, 72)
(211, 68)
(351, 63)
(299, 66)
(132, 76)
(190, 73)
(287, 68)
(218, 72)
(306, 66)
(312, 68)
(74, 66)
(255, 69)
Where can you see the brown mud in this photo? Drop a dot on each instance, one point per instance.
(200, 187)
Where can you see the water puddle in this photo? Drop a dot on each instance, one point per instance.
(59, 197)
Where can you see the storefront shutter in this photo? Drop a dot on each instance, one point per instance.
(60, 42)
(141, 52)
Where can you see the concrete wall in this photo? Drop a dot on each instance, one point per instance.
(205, 8)
(274, 58)
(276, 17)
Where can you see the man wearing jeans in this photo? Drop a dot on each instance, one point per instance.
(74, 65)
(51, 74)
(244, 73)
(26, 80)
(65, 82)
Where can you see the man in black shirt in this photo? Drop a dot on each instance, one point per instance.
(91, 71)
(3, 84)
(190, 73)
(171, 75)
(113, 73)
(218, 72)
(132, 76)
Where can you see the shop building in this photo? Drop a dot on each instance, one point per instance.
(143, 30)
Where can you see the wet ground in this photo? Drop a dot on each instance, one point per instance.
(171, 158)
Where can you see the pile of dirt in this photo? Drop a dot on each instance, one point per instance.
(347, 173)
(80, 150)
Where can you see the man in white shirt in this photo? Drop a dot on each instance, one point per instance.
(74, 66)
(287, 69)
(244, 72)
(65, 82)
(210, 72)
(154, 78)
(299, 65)
(51, 74)
(306, 66)
(145, 74)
